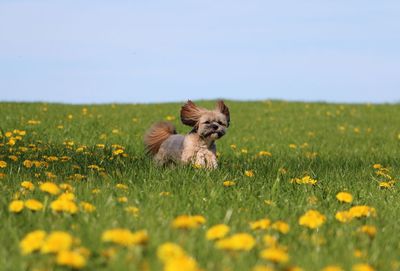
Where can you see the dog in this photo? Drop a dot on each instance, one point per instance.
(198, 146)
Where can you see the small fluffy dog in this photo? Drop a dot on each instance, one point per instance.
(198, 146)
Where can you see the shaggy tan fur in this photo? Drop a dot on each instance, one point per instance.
(191, 113)
(156, 135)
(199, 152)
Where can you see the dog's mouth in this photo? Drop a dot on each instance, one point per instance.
(215, 134)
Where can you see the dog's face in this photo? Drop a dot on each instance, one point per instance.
(209, 124)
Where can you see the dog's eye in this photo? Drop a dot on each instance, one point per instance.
(206, 122)
(221, 123)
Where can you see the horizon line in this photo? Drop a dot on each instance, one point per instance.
(204, 100)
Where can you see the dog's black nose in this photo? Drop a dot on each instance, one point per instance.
(214, 126)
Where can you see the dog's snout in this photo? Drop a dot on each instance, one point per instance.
(214, 126)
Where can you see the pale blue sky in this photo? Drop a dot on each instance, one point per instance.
(150, 51)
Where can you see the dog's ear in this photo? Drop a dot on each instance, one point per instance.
(191, 113)
(221, 107)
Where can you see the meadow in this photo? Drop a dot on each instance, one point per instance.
(78, 191)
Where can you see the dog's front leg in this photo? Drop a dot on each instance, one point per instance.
(211, 160)
(187, 157)
(200, 159)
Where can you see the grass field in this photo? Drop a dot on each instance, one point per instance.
(96, 153)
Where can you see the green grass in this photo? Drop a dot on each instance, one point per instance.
(347, 139)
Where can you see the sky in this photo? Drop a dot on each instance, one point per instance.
(75, 51)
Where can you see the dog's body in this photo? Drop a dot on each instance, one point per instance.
(198, 146)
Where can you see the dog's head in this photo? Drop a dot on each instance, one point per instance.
(209, 124)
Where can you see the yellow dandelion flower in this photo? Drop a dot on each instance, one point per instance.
(369, 230)
(261, 224)
(124, 237)
(94, 167)
(50, 188)
(87, 207)
(57, 241)
(66, 196)
(312, 200)
(294, 268)
(358, 253)
(343, 216)
(281, 226)
(28, 185)
(165, 193)
(132, 210)
(237, 242)
(52, 158)
(122, 199)
(344, 197)
(386, 184)
(362, 267)
(217, 232)
(33, 241)
(332, 268)
(269, 202)
(293, 146)
(23, 149)
(65, 158)
(118, 236)
(382, 172)
(67, 206)
(13, 158)
(197, 166)
(362, 211)
(66, 187)
(312, 219)
(168, 251)
(377, 166)
(96, 191)
(304, 180)
(181, 263)
(228, 183)
(121, 186)
(27, 163)
(33, 205)
(274, 254)
(71, 259)
(249, 173)
(3, 164)
(140, 237)
(282, 170)
(262, 268)
(264, 153)
(169, 117)
(187, 222)
(12, 141)
(117, 152)
(16, 206)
